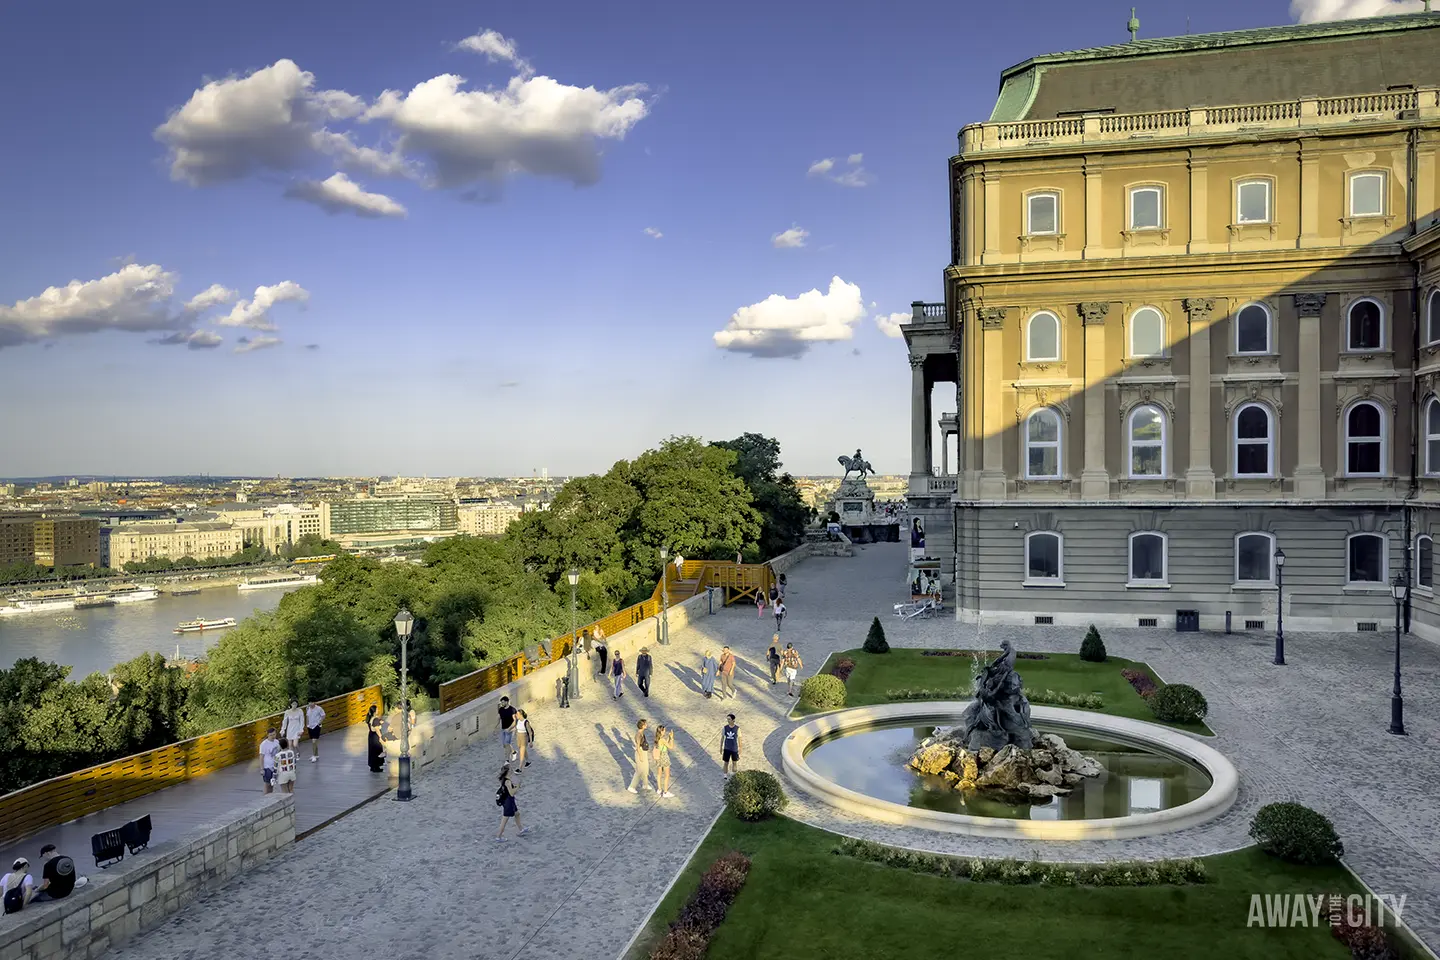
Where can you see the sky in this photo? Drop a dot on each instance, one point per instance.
(330, 239)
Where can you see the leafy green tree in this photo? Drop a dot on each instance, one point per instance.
(783, 511)
(149, 701)
(692, 501)
(21, 688)
(311, 545)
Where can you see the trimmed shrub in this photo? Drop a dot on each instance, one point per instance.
(1092, 648)
(1054, 698)
(1179, 703)
(1294, 832)
(1119, 874)
(754, 795)
(1141, 681)
(843, 668)
(689, 936)
(822, 692)
(875, 641)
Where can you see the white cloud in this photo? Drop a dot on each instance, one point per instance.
(212, 296)
(852, 175)
(786, 327)
(652, 232)
(890, 324)
(255, 312)
(1314, 11)
(249, 344)
(193, 339)
(134, 298)
(496, 48)
(339, 194)
(790, 239)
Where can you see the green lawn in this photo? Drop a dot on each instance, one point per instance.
(876, 673)
(803, 902)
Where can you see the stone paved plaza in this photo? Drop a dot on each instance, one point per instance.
(425, 880)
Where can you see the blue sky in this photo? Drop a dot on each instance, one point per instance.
(518, 314)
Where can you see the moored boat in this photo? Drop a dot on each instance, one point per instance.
(195, 626)
(282, 580)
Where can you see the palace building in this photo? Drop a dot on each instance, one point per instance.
(1192, 319)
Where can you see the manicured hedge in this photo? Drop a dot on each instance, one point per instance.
(754, 795)
(1053, 698)
(689, 935)
(1179, 703)
(1294, 832)
(1118, 874)
(822, 692)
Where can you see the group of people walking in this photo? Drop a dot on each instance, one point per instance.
(280, 750)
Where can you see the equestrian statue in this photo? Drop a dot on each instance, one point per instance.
(856, 464)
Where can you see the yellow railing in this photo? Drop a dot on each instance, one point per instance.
(50, 803)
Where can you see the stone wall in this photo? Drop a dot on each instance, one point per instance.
(146, 888)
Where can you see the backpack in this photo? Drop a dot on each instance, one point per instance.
(500, 794)
(15, 898)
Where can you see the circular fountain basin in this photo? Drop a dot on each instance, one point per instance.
(1164, 780)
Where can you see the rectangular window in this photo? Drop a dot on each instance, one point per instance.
(1042, 560)
(1367, 195)
(1252, 559)
(1147, 558)
(1252, 200)
(1425, 563)
(1145, 208)
(1043, 214)
(1367, 558)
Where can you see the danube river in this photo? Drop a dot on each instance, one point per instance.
(99, 638)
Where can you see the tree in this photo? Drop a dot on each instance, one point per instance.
(149, 702)
(783, 511)
(311, 545)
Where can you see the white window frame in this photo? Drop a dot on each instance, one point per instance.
(1130, 443)
(1384, 582)
(1059, 579)
(1432, 317)
(1432, 467)
(1235, 569)
(1269, 199)
(1415, 574)
(1058, 444)
(1030, 355)
(1349, 337)
(1130, 579)
(1384, 432)
(1156, 188)
(1269, 330)
(1030, 198)
(1164, 350)
(1235, 442)
(1355, 178)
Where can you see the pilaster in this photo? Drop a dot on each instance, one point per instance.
(1199, 216)
(1309, 199)
(992, 472)
(1094, 479)
(1094, 239)
(1309, 473)
(1200, 475)
(992, 218)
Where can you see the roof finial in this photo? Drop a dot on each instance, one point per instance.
(1133, 26)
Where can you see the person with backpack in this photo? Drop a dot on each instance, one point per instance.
(17, 888)
(772, 657)
(790, 660)
(524, 736)
(57, 875)
(505, 800)
(727, 671)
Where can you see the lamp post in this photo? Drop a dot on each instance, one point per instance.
(1398, 589)
(404, 622)
(1279, 608)
(574, 577)
(664, 595)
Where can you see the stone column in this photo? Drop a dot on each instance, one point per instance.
(1309, 473)
(944, 452)
(1200, 475)
(1094, 478)
(992, 468)
(919, 418)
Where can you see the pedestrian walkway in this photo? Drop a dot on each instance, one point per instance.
(339, 782)
(426, 880)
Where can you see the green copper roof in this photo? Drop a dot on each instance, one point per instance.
(1019, 84)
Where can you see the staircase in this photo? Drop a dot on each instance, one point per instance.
(683, 589)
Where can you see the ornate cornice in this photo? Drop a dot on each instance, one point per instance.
(1199, 308)
(992, 318)
(1309, 304)
(1093, 312)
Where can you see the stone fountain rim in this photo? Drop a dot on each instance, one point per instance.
(1224, 779)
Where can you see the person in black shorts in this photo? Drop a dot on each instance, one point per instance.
(730, 745)
(57, 875)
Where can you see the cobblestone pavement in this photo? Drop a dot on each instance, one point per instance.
(425, 879)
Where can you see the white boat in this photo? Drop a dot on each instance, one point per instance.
(195, 626)
(40, 601)
(283, 580)
(133, 593)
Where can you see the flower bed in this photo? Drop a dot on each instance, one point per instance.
(1141, 681)
(1118, 874)
(1052, 698)
(1365, 942)
(689, 935)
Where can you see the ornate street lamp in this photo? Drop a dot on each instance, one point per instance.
(574, 679)
(1280, 607)
(404, 623)
(664, 595)
(1398, 589)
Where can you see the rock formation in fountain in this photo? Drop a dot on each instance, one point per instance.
(995, 749)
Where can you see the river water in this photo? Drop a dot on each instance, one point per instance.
(99, 638)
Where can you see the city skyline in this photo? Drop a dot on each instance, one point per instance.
(253, 244)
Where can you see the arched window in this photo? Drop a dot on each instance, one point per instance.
(1148, 558)
(1252, 201)
(1367, 194)
(1255, 558)
(1042, 337)
(1044, 558)
(1364, 440)
(1042, 445)
(1366, 556)
(1364, 326)
(1147, 333)
(1432, 437)
(1254, 441)
(1432, 318)
(1252, 329)
(1425, 562)
(1146, 208)
(1147, 442)
(1042, 214)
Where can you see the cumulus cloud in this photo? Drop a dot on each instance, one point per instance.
(1314, 11)
(890, 324)
(781, 326)
(255, 312)
(652, 232)
(193, 339)
(848, 174)
(790, 239)
(251, 344)
(439, 134)
(337, 193)
(212, 296)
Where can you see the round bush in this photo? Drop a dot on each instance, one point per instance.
(823, 691)
(754, 795)
(1294, 832)
(1179, 703)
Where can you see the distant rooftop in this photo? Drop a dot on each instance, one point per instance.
(1336, 58)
